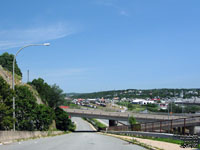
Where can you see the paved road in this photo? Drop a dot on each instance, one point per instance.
(74, 141)
(106, 122)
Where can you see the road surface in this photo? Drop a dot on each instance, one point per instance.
(106, 122)
(74, 141)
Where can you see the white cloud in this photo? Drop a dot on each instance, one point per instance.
(19, 37)
(112, 4)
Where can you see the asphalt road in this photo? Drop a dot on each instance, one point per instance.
(106, 122)
(74, 141)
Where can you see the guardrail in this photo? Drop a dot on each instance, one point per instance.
(159, 126)
(153, 134)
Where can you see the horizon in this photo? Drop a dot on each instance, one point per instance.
(138, 89)
(100, 45)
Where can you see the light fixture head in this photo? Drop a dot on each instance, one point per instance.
(46, 44)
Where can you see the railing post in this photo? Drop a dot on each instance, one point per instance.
(171, 125)
(160, 126)
(145, 128)
(184, 126)
(152, 126)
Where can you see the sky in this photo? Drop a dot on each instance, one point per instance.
(99, 45)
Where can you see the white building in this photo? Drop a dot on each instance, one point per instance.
(142, 101)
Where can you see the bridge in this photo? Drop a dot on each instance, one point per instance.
(120, 116)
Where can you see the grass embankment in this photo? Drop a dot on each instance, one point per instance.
(98, 125)
(153, 146)
(169, 140)
(161, 139)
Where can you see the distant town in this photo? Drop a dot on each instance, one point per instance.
(154, 100)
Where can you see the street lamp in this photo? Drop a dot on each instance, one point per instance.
(13, 79)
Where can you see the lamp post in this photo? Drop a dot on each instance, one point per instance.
(13, 74)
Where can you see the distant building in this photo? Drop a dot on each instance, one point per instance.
(163, 106)
(142, 102)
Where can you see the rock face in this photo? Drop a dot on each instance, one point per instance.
(7, 76)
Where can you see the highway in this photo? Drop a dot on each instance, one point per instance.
(74, 141)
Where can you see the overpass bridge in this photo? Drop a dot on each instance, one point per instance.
(121, 116)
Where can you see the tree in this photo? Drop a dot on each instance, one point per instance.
(51, 95)
(31, 116)
(191, 109)
(134, 125)
(132, 120)
(56, 97)
(6, 94)
(45, 116)
(6, 61)
(42, 88)
(62, 120)
(25, 109)
(6, 120)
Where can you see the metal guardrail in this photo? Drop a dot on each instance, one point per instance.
(159, 126)
(157, 135)
(146, 134)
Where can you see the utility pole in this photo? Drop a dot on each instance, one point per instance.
(171, 107)
(168, 117)
(27, 76)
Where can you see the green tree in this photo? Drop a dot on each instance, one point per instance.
(51, 95)
(25, 109)
(175, 108)
(56, 96)
(6, 120)
(134, 125)
(132, 120)
(62, 120)
(6, 94)
(191, 109)
(6, 61)
(45, 116)
(43, 89)
(29, 115)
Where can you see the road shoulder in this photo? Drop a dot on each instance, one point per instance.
(150, 144)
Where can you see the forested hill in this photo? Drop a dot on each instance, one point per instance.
(36, 103)
(141, 93)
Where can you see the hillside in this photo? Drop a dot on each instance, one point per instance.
(141, 93)
(7, 76)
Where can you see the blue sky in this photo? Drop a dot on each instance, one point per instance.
(105, 44)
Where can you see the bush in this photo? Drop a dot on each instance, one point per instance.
(45, 116)
(132, 120)
(6, 94)
(62, 120)
(30, 115)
